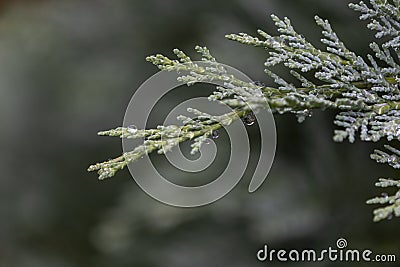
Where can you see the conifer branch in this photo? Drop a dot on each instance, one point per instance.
(364, 92)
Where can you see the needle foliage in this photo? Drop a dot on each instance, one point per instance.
(363, 91)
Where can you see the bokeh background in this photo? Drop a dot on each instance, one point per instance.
(68, 69)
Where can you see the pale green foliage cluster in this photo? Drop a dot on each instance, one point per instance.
(365, 92)
(243, 97)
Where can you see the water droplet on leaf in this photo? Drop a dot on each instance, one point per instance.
(302, 115)
(132, 129)
(258, 83)
(215, 134)
(249, 119)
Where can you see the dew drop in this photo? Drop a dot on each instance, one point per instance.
(258, 83)
(249, 119)
(132, 129)
(385, 196)
(301, 118)
(302, 115)
(207, 141)
(215, 134)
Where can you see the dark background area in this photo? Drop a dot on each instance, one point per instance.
(68, 69)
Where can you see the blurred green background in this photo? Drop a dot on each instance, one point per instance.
(68, 69)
